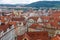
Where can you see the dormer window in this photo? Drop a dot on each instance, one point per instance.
(25, 39)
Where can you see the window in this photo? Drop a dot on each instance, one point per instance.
(57, 32)
(2, 23)
(25, 39)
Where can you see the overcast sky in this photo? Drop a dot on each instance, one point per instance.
(19, 1)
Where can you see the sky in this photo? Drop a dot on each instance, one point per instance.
(20, 1)
(17, 1)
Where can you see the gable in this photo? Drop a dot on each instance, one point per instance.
(39, 20)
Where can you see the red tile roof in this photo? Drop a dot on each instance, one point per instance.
(20, 37)
(52, 19)
(36, 25)
(57, 37)
(12, 23)
(35, 36)
(3, 27)
(45, 17)
(38, 35)
(18, 19)
(34, 18)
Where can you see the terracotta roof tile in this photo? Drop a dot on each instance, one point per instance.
(18, 19)
(36, 25)
(38, 35)
(20, 37)
(45, 17)
(35, 36)
(57, 37)
(12, 23)
(3, 27)
(34, 18)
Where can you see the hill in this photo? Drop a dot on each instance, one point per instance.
(44, 4)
